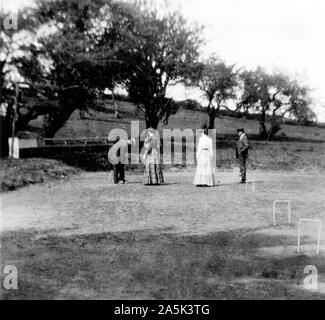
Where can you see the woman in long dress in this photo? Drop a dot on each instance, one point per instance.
(153, 174)
(204, 174)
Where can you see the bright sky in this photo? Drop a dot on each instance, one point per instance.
(285, 34)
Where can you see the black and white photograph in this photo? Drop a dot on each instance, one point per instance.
(162, 151)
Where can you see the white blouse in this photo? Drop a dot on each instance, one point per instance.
(205, 145)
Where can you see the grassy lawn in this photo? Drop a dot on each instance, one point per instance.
(87, 239)
(84, 238)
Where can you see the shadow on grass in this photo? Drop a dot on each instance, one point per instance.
(155, 264)
(163, 185)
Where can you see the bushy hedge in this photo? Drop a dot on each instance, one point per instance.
(15, 174)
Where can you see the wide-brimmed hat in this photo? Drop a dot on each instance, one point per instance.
(240, 130)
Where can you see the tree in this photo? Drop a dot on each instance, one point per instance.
(93, 46)
(300, 104)
(11, 48)
(157, 51)
(84, 47)
(273, 96)
(68, 63)
(218, 81)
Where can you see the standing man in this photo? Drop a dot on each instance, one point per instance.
(242, 153)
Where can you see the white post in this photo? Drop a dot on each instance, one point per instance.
(274, 210)
(299, 236)
(253, 185)
(111, 178)
(13, 148)
(319, 233)
(289, 206)
(319, 237)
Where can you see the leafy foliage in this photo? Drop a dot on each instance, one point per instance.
(219, 82)
(274, 95)
(158, 51)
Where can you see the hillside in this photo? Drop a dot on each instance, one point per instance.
(299, 148)
(100, 124)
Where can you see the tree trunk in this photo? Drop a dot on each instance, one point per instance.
(4, 136)
(56, 121)
(117, 110)
(275, 128)
(5, 132)
(212, 117)
(152, 122)
(82, 114)
(70, 100)
(115, 104)
(4, 150)
(263, 130)
(209, 106)
(23, 121)
(151, 113)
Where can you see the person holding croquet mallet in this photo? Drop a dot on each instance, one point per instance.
(121, 159)
(242, 153)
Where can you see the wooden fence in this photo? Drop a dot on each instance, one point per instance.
(75, 141)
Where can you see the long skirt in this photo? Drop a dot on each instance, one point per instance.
(153, 174)
(204, 175)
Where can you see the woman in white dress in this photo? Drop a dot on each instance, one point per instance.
(204, 174)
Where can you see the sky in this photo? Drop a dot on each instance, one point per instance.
(275, 34)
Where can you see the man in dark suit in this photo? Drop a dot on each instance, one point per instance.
(242, 153)
(122, 155)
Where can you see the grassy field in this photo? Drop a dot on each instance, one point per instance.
(86, 239)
